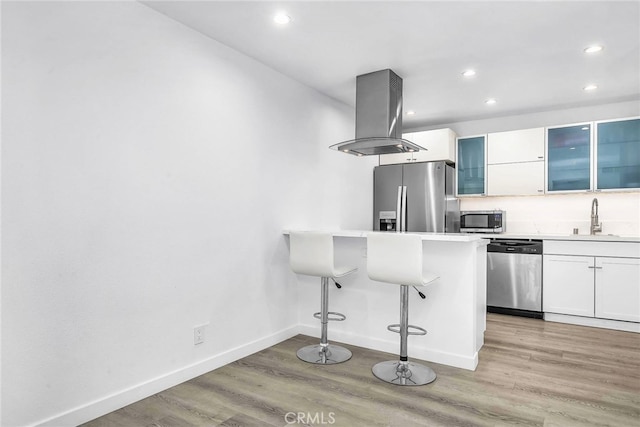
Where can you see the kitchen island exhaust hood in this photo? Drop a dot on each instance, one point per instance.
(378, 117)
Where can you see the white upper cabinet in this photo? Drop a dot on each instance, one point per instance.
(516, 146)
(569, 158)
(515, 163)
(516, 179)
(581, 158)
(440, 145)
(471, 166)
(567, 285)
(617, 153)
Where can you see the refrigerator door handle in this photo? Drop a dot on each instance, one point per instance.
(404, 208)
(399, 209)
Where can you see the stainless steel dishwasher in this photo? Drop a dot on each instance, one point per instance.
(514, 277)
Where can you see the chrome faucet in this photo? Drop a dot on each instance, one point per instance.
(595, 226)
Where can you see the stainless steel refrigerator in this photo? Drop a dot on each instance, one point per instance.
(415, 197)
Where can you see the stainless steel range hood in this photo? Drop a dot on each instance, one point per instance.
(378, 117)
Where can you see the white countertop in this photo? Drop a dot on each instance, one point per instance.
(442, 237)
(570, 237)
(473, 237)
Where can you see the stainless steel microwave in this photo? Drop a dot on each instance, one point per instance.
(483, 221)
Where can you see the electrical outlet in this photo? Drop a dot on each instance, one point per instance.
(198, 334)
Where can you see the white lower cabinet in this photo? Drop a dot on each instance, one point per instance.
(579, 279)
(567, 284)
(617, 291)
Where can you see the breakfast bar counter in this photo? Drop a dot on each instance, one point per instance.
(453, 313)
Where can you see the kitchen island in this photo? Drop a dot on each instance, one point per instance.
(453, 312)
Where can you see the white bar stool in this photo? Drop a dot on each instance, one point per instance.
(397, 258)
(311, 253)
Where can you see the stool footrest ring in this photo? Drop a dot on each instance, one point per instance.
(417, 329)
(337, 317)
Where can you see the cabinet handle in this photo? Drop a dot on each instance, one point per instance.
(540, 191)
(597, 268)
(541, 157)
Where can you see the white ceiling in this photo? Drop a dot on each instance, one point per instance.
(528, 55)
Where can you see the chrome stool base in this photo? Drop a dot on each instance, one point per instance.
(324, 354)
(403, 373)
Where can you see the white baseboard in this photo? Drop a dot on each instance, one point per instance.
(393, 346)
(593, 322)
(117, 400)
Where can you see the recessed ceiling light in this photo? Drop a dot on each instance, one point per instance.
(593, 49)
(490, 101)
(590, 88)
(411, 113)
(469, 73)
(281, 18)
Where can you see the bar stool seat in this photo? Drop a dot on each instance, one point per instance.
(312, 253)
(397, 258)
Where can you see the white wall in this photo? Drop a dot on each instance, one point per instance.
(619, 213)
(147, 174)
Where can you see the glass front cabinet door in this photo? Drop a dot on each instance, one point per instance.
(569, 158)
(618, 154)
(470, 163)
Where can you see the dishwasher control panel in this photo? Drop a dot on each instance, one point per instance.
(519, 246)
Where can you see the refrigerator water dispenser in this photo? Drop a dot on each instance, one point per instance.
(387, 220)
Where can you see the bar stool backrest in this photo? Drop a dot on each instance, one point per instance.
(395, 258)
(311, 253)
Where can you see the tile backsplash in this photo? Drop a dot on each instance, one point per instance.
(618, 212)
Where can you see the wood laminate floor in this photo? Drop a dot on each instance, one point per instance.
(530, 373)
